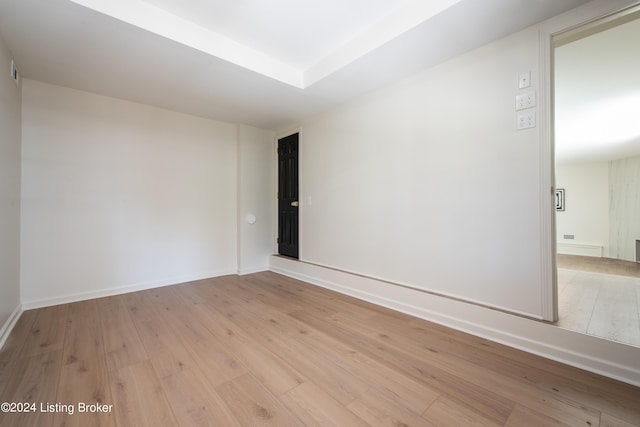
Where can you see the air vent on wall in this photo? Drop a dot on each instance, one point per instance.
(14, 72)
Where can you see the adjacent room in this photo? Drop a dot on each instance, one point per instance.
(597, 148)
(314, 213)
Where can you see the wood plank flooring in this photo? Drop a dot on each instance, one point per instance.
(268, 350)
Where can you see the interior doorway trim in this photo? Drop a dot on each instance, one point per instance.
(553, 28)
(549, 285)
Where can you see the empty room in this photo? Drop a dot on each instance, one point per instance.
(316, 213)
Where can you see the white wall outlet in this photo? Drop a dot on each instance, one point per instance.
(526, 120)
(526, 100)
(524, 80)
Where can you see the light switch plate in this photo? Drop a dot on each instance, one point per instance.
(524, 80)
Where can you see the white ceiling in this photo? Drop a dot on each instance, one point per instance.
(597, 96)
(292, 31)
(263, 63)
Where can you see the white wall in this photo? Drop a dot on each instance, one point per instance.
(256, 190)
(119, 196)
(428, 183)
(624, 178)
(10, 119)
(586, 214)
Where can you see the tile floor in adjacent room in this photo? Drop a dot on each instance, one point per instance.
(599, 297)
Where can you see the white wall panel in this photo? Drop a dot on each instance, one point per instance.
(10, 119)
(256, 198)
(586, 214)
(428, 182)
(624, 178)
(120, 196)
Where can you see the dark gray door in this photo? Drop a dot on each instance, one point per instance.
(288, 196)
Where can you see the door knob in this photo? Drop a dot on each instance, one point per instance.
(295, 204)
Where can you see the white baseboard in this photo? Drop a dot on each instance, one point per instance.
(82, 296)
(608, 358)
(9, 325)
(582, 249)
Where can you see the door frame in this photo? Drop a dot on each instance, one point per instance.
(553, 28)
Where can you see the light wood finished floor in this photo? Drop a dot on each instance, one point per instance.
(266, 350)
(600, 297)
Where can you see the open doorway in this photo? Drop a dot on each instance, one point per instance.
(597, 167)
